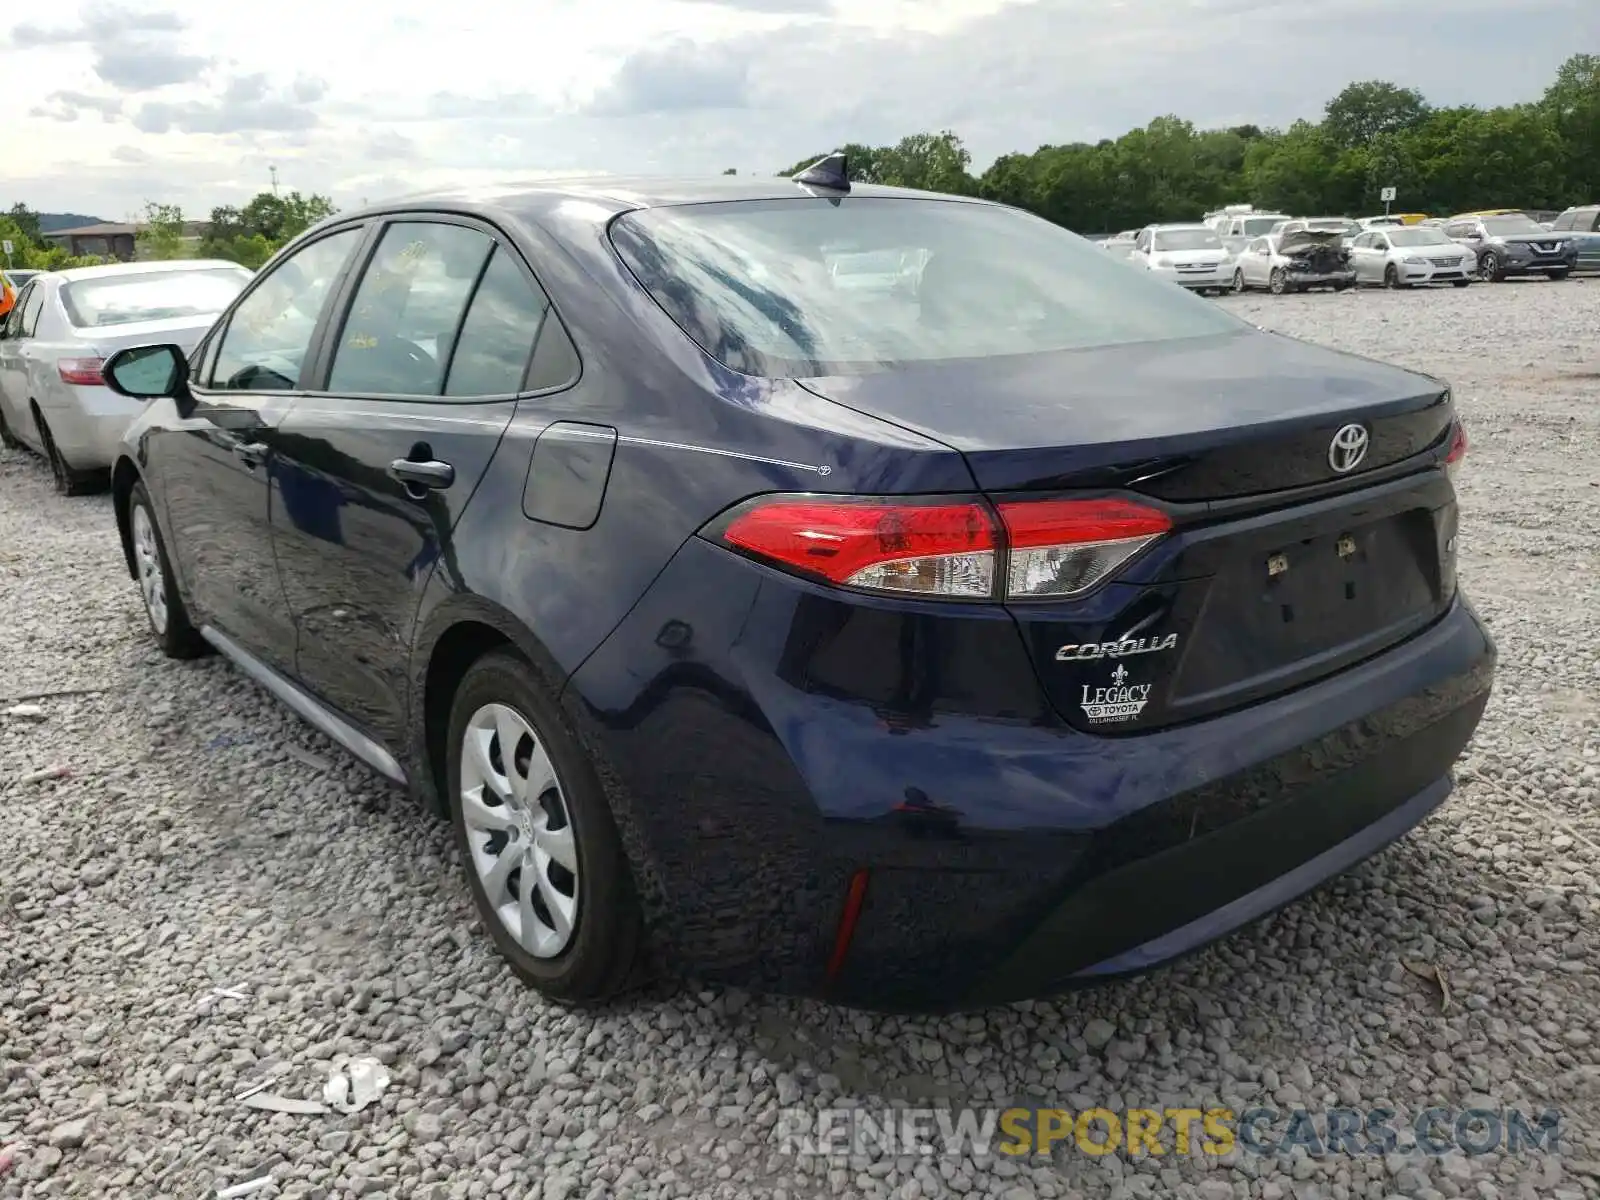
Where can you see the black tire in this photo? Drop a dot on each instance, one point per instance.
(1238, 282)
(1557, 276)
(8, 439)
(68, 480)
(178, 638)
(1461, 283)
(605, 954)
(1278, 282)
(1490, 268)
(1391, 277)
(1343, 287)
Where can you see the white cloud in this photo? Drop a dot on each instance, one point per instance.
(188, 101)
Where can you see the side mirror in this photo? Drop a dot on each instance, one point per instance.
(147, 372)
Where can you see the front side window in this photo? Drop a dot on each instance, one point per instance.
(491, 354)
(151, 296)
(265, 344)
(751, 282)
(407, 310)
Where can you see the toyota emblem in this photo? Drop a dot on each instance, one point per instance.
(1348, 448)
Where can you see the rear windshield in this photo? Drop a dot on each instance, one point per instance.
(1256, 226)
(1186, 239)
(753, 282)
(151, 296)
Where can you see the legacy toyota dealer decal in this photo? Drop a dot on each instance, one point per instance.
(1122, 701)
(1120, 649)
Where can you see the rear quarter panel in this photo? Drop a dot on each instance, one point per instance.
(691, 439)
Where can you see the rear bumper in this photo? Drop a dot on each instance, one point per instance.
(88, 426)
(1006, 855)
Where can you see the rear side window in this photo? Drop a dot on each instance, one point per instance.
(31, 308)
(151, 296)
(497, 337)
(754, 284)
(1567, 220)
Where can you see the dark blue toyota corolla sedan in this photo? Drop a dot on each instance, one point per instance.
(834, 590)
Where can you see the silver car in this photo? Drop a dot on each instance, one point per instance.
(62, 328)
(1406, 255)
(1294, 262)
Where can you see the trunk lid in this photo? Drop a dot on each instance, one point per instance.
(183, 332)
(1279, 569)
(1197, 419)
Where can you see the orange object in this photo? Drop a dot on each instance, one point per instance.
(8, 295)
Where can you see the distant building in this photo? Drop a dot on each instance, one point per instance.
(119, 242)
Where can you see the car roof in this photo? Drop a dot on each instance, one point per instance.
(614, 194)
(105, 270)
(1197, 226)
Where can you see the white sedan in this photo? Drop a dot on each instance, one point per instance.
(1404, 256)
(62, 328)
(1294, 262)
(1192, 256)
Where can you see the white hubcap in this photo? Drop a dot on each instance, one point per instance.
(519, 830)
(147, 562)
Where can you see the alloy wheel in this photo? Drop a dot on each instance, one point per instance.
(1278, 282)
(1489, 268)
(1391, 276)
(1238, 282)
(147, 562)
(519, 831)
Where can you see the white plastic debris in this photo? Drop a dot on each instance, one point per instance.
(244, 1189)
(26, 712)
(283, 1104)
(355, 1085)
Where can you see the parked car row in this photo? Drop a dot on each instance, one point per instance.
(741, 604)
(1237, 250)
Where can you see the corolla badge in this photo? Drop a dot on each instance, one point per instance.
(1122, 649)
(1348, 448)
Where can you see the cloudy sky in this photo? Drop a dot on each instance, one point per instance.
(112, 103)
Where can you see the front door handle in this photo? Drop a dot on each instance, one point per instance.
(252, 454)
(431, 475)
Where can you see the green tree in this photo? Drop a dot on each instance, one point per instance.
(1364, 111)
(26, 223)
(252, 234)
(160, 235)
(1572, 103)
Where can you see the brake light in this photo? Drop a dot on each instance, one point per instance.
(1062, 548)
(1458, 449)
(935, 548)
(948, 547)
(81, 372)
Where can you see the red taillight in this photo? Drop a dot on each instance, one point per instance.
(949, 547)
(1458, 448)
(1061, 548)
(81, 372)
(936, 548)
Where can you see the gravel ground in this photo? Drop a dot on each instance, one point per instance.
(204, 839)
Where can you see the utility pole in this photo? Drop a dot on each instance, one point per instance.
(274, 171)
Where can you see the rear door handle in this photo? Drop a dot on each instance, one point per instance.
(432, 474)
(252, 454)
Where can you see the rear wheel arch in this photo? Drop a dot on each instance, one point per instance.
(452, 640)
(123, 476)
